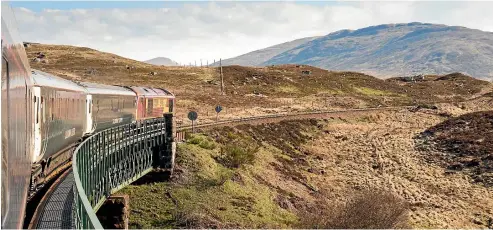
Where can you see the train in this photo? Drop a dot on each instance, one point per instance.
(44, 117)
(66, 111)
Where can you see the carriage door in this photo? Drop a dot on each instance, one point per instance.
(89, 112)
(37, 122)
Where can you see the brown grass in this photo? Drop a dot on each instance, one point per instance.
(369, 209)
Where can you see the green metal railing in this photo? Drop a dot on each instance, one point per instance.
(111, 159)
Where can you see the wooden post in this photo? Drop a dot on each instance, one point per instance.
(195, 63)
(200, 62)
(222, 78)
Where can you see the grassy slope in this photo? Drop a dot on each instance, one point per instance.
(207, 192)
(309, 166)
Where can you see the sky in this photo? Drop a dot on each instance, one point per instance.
(188, 32)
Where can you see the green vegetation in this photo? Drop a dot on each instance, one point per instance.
(236, 156)
(202, 141)
(217, 189)
(288, 89)
(249, 177)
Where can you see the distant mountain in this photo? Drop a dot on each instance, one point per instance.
(392, 50)
(258, 57)
(162, 61)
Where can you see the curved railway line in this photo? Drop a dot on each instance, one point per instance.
(284, 116)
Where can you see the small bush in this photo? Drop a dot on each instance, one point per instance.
(201, 141)
(366, 210)
(235, 156)
(194, 140)
(207, 144)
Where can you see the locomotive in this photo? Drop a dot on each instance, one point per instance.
(44, 117)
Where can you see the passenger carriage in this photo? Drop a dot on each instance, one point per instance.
(59, 121)
(109, 106)
(16, 117)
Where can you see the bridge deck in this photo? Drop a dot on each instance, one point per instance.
(56, 212)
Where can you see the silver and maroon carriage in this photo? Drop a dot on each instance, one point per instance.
(17, 117)
(109, 106)
(59, 121)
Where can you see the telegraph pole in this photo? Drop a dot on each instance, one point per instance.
(222, 78)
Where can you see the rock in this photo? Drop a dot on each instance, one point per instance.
(36, 60)
(306, 72)
(91, 71)
(153, 73)
(40, 55)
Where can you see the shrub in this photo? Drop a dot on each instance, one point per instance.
(201, 141)
(235, 156)
(366, 210)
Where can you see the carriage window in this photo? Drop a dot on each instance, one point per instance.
(38, 110)
(150, 106)
(52, 109)
(74, 107)
(41, 109)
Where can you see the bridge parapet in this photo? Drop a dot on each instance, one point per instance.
(111, 159)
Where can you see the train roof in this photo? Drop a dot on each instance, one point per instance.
(95, 88)
(41, 78)
(151, 92)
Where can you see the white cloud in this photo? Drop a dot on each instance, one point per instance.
(227, 29)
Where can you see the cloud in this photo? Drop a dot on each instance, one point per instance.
(193, 31)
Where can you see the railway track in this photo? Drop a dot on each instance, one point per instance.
(278, 117)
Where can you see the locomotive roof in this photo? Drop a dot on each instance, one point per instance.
(41, 78)
(95, 88)
(152, 92)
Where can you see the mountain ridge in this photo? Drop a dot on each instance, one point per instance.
(392, 50)
(162, 61)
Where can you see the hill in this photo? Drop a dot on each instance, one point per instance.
(162, 61)
(253, 90)
(256, 58)
(394, 50)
